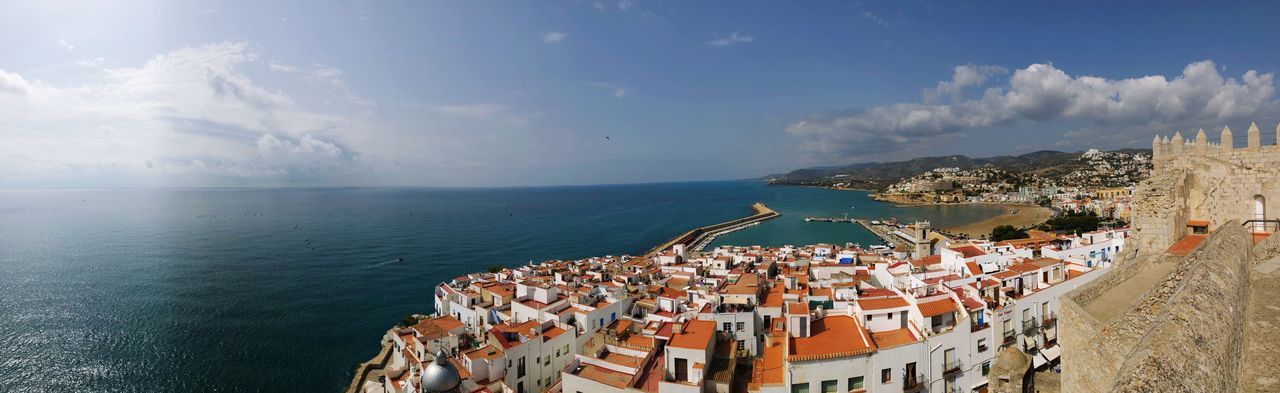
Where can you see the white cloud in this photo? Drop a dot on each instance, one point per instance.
(282, 67)
(186, 115)
(477, 111)
(963, 76)
(330, 75)
(863, 13)
(553, 37)
(94, 62)
(13, 83)
(625, 5)
(318, 74)
(731, 39)
(614, 90)
(65, 45)
(598, 6)
(1042, 93)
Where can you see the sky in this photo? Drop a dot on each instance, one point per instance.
(498, 93)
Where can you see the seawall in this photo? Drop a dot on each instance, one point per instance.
(697, 235)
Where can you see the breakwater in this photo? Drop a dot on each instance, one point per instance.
(882, 231)
(699, 237)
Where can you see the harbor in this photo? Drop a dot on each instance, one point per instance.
(883, 230)
(700, 237)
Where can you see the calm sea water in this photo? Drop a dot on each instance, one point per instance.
(288, 289)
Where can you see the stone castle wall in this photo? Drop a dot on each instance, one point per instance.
(1185, 332)
(1200, 180)
(1182, 335)
(1197, 343)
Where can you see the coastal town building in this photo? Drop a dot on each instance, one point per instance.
(816, 318)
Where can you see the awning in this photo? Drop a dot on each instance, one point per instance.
(1051, 353)
(1051, 333)
(1038, 360)
(1028, 341)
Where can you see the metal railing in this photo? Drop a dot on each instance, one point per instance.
(1029, 326)
(1050, 319)
(912, 382)
(951, 367)
(977, 326)
(1263, 225)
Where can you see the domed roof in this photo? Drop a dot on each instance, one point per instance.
(440, 375)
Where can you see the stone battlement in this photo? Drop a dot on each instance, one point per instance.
(1170, 151)
(1200, 321)
(1204, 181)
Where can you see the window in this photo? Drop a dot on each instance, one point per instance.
(982, 345)
(890, 315)
(727, 326)
(613, 316)
(986, 368)
(855, 383)
(742, 326)
(886, 376)
(868, 318)
(520, 368)
(742, 345)
(829, 386)
(800, 388)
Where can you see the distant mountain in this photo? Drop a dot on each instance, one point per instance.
(877, 175)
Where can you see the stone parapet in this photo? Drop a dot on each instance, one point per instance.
(1196, 345)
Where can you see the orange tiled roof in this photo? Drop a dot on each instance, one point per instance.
(894, 338)
(969, 251)
(880, 304)
(832, 337)
(798, 308)
(696, 335)
(937, 307)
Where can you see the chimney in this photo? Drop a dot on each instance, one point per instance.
(677, 328)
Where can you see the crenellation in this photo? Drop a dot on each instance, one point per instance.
(1171, 290)
(1255, 136)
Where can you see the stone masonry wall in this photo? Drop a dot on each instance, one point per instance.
(1220, 185)
(1196, 344)
(1160, 211)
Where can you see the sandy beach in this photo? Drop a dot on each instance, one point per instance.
(1017, 215)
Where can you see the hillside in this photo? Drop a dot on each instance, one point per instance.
(877, 175)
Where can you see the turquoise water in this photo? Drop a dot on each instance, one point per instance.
(796, 203)
(288, 289)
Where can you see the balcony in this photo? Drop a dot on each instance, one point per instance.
(1009, 336)
(976, 326)
(1029, 326)
(1049, 320)
(912, 382)
(951, 368)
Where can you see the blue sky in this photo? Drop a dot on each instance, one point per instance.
(482, 93)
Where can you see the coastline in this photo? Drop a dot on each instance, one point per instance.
(1015, 214)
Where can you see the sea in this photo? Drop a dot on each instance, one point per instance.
(288, 289)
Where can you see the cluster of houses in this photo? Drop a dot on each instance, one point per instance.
(819, 318)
